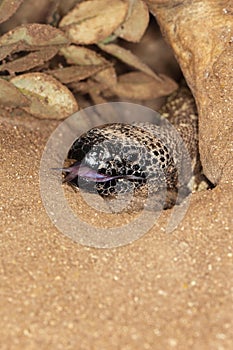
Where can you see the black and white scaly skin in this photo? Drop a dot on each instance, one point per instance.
(117, 158)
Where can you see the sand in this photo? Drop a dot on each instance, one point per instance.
(163, 291)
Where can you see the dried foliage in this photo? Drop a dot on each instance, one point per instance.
(74, 55)
(48, 97)
(8, 8)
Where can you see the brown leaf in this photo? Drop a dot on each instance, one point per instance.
(8, 8)
(49, 99)
(81, 55)
(74, 73)
(29, 37)
(10, 96)
(137, 85)
(107, 77)
(128, 57)
(80, 87)
(135, 25)
(97, 98)
(93, 21)
(29, 61)
(87, 86)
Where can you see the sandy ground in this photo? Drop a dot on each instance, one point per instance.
(163, 291)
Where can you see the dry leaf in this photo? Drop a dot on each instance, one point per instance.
(85, 87)
(137, 85)
(74, 73)
(29, 61)
(97, 98)
(107, 77)
(93, 21)
(81, 55)
(128, 57)
(135, 25)
(49, 99)
(10, 96)
(31, 37)
(8, 8)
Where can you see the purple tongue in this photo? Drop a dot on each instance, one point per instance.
(83, 171)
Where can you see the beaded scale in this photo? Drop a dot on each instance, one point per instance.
(117, 158)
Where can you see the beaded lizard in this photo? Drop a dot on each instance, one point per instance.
(115, 158)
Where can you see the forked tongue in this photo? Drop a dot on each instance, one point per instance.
(77, 169)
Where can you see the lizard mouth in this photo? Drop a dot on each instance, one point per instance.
(80, 170)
